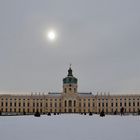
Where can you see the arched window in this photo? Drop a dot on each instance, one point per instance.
(74, 103)
(70, 103)
(65, 103)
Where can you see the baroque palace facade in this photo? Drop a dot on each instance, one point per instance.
(69, 101)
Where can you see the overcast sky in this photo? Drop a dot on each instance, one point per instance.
(100, 38)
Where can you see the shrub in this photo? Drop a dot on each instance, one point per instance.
(49, 114)
(37, 114)
(90, 114)
(138, 111)
(102, 114)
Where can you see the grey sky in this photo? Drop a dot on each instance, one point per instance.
(100, 38)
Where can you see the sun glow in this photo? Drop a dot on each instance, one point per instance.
(51, 35)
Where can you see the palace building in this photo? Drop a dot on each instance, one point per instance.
(68, 101)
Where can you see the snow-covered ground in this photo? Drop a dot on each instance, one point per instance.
(70, 127)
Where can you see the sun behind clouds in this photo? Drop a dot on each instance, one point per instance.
(51, 35)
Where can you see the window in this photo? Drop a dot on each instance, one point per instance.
(65, 103)
(102, 104)
(74, 103)
(70, 103)
(84, 105)
(112, 104)
(125, 104)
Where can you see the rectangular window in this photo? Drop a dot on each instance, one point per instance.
(112, 104)
(102, 104)
(84, 105)
(55, 104)
(125, 104)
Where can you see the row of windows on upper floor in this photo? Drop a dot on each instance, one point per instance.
(56, 104)
(119, 104)
(137, 98)
(49, 99)
(82, 99)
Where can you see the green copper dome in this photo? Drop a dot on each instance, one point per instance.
(70, 79)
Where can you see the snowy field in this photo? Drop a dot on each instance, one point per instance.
(70, 127)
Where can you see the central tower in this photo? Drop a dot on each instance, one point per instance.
(70, 83)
